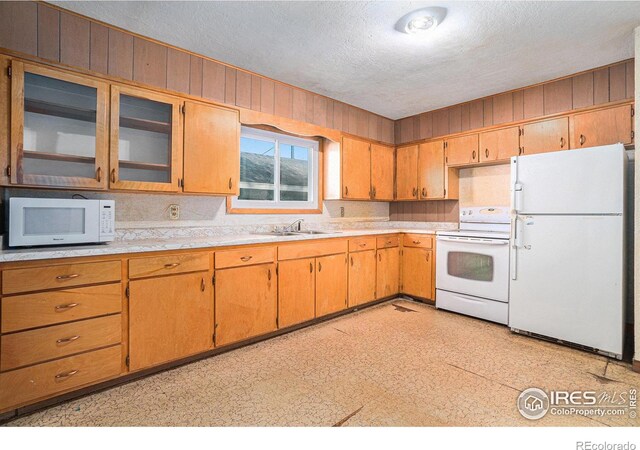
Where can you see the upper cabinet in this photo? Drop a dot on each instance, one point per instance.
(462, 150)
(382, 158)
(58, 128)
(407, 173)
(545, 136)
(146, 140)
(499, 145)
(356, 169)
(211, 149)
(602, 127)
(431, 170)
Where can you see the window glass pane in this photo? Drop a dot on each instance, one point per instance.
(257, 169)
(294, 173)
(59, 127)
(471, 266)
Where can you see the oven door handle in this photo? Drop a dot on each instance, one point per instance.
(465, 241)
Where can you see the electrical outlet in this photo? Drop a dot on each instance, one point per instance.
(174, 212)
(342, 211)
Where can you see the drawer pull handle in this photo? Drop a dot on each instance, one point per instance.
(389, 242)
(364, 244)
(246, 258)
(416, 242)
(67, 340)
(171, 265)
(65, 375)
(67, 277)
(66, 307)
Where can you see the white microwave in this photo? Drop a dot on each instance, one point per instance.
(56, 221)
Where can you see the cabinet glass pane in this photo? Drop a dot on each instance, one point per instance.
(257, 169)
(59, 127)
(144, 146)
(470, 266)
(294, 173)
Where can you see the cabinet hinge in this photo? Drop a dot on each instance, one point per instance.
(126, 361)
(633, 133)
(633, 110)
(182, 109)
(9, 170)
(445, 192)
(9, 71)
(446, 160)
(126, 291)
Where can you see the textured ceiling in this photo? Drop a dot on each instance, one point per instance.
(349, 50)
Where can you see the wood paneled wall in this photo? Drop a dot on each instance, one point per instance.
(60, 36)
(594, 87)
(427, 211)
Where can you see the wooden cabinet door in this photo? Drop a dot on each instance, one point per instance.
(362, 277)
(59, 128)
(246, 302)
(211, 149)
(146, 140)
(382, 169)
(602, 127)
(500, 145)
(416, 272)
(296, 291)
(407, 173)
(331, 284)
(462, 150)
(545, 136)
(431, 170)
(388, 272)
(356, 169)
(169, 318)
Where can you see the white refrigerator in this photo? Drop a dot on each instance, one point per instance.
(567, 257)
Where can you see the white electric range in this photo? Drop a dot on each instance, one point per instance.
(472, 265)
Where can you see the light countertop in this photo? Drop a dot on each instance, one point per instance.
(180, 243)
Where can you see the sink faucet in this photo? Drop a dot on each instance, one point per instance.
(295, 226)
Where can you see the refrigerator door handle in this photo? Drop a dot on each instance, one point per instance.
(516, 234)
(517, 196)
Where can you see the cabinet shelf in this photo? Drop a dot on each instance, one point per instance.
(144, 165)
(145, 125)
(54, 109)
(58, 157)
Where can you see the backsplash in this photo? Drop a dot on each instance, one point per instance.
(425, 211)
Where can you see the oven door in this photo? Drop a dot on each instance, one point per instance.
(41, 221)
(473, 266)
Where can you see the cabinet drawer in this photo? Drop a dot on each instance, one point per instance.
(43, 380)
(48, 308)
(387, 241)
(43, 344)
(417, 240)
(311, 250)
(245, 257)
(153, 266)
(363, 243)
(60, 276)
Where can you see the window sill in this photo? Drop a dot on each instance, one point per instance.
(232, 210)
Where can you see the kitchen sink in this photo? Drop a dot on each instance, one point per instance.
(313, 232)
(296, 233)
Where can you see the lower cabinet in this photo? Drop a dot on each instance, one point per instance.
(246, 302)
(388, 272)
(331, 284)
(296, 291)
(362, 277)
(170, 317)
(417, 275)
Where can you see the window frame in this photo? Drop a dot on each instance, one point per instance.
(313, 206)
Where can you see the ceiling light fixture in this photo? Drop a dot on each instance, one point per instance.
(421, 21)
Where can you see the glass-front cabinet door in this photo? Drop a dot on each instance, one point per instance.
(59, 128)
(146, 140)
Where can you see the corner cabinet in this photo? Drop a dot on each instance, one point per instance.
(211, 149)
(146, 140)
(59, 129)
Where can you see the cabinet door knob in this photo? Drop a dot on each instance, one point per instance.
(352, 261)
(319, 267)
(230, 183)
(202, 284)
(427, 257)
(379, 257)
(113, 175)
(374, 192)
(561, 142)
(415, 192)
(346, 191)
(269, 275)
(310, 267)
(582, 139)
(486, 152)
(424, 192)
(99, 174)
(474, 155)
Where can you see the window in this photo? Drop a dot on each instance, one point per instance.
(277, 171)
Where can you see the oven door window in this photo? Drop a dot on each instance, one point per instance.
(54, 221)
(470, 266)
